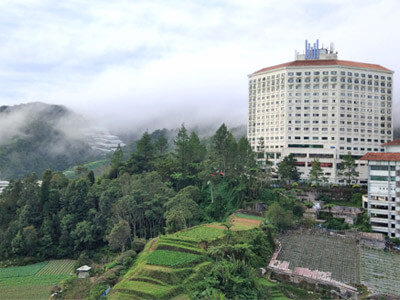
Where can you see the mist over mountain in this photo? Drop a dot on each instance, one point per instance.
(38, 136)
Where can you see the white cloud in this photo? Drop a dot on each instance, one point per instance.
(153, 63)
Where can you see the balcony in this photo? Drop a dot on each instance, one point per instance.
(379, 211)
(379, 220)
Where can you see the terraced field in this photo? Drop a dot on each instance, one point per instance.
(33, 281)
(170, 263)
(166, 265)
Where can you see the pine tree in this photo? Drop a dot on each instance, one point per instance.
(287, 169)
(316, 172)
(182, 148)
(348, 169)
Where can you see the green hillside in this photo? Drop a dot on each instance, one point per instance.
(167, 265)
(171, 265)
(36, 137)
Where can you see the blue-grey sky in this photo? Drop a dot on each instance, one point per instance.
(161, 63)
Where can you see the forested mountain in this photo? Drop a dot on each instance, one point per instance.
(154, 191)
(38, 136)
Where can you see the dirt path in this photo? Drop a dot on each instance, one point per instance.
(153, 244)
(249, 221)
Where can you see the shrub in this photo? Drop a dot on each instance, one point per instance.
(82, 260)
(298, 210)
(309, 204)
(323, 197)
(127, 254)
(279, 217)
(307, 222)
(127, 262)
(336, 224)
(138, 244)
(395, 241)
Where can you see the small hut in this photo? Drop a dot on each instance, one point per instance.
(83, 272)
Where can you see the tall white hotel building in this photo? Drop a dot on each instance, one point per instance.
(320, 107)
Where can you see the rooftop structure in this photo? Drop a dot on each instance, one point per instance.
(320, 107)
(83, 272)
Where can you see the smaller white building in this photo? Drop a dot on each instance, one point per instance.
(383, 199)
(83, 272)
(3, 185)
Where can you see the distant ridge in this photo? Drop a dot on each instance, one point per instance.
(37, 136)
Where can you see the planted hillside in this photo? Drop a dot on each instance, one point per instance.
(185, 263)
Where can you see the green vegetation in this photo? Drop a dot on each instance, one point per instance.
(40, 143)
(175, 264)
(199, 234)
(287, 169)
(98, 167)
(182, 201)
(21, 271)
(162, 273)
(316, 173)
(348, 169)
(247, 216)
(33, 281)
(58, 267)
(171, 258)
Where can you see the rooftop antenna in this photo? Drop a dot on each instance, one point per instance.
(332, 47)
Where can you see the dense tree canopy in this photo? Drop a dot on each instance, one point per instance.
(157, 189)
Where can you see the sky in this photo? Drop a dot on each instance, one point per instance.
(149, 64)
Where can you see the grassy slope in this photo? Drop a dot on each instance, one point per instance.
(185, 262)
(146, 281)
(152, 277)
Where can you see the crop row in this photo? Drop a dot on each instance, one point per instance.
(171, 258)
(200, 233)
(55, 267)
(22, 271)
(29, 287)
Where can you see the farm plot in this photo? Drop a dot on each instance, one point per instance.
(380, 271)
(320, 251)
(22, 271)
(56, 267)
(33, 281)
(171, 258)
(199, 234)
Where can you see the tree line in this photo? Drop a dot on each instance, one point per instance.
(153, 192)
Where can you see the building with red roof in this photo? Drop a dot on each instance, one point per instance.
(383, 199)
(320, 107)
